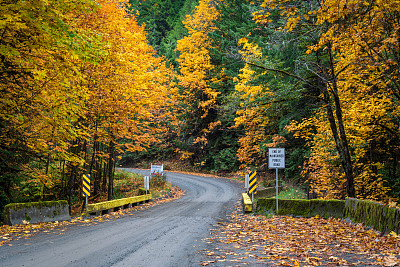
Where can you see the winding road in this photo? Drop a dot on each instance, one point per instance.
(169, 234)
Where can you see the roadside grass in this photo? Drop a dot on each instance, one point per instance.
(127, 184)
(291, 191)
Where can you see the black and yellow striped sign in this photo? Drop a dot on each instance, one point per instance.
(253, 182)
(86, 185)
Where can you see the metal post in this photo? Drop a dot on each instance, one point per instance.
(277, 191)
(246, 183)
(86, 201)
(252, 197)
(146, 183)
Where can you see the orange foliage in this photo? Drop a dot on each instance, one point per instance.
(129, 84)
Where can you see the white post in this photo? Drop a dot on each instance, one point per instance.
(146, 183)
(277, 191)
(246, 183)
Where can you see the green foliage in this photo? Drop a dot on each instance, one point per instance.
(126, 183)
(167, 46)
(292, 192)
(225, 160)
(143, 191)
(163, 20)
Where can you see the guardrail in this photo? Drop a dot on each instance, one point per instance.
(248, 205)
(114, 205)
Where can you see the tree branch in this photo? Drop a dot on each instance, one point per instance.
(278, 71)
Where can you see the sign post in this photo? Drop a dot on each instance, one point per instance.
(246, 183)
(147, 183)
(276, 160)
(86, 186)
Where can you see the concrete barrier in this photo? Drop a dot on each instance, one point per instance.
(372, 214)
(381, 217)
(302, 207)
(34, 212)
(114, 205)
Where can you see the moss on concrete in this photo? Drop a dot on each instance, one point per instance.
(390, 215)
(381, 217)
(107, 205)
(265, 205)
(302, 207)
(36, 211)
(41, 204)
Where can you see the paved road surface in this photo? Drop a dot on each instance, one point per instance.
(165, 235)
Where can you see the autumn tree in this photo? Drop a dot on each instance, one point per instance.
(263, 101)
(40, 101)
(296, 15)
(75, 94)
(335, 63)
(198, 98)
(362, 35)
(129, 91)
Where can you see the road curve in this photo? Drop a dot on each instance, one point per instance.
(165, 235)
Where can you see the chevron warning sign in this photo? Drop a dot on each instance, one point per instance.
(86, 185)
(253, 182)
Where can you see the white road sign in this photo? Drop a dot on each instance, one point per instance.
(276, 158)
(156, 168)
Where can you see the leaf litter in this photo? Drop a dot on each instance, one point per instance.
(248, 239)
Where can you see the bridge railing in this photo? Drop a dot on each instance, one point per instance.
(114, 205)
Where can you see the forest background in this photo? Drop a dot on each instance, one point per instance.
(90, 85)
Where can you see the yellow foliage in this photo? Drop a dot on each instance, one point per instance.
(195, 67)
(364, 39)
(251, 117)
(131, 87)
(89, 75)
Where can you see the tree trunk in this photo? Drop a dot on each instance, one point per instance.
(343, 148)
(111, 167)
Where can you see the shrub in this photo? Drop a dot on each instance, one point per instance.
(158, 179)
